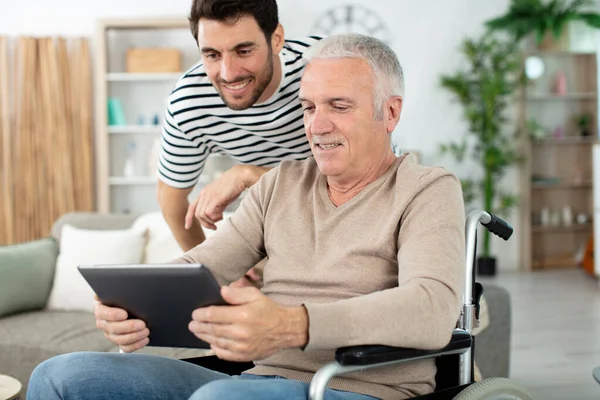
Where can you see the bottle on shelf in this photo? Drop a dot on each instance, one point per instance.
(129, 169)
(545, 216)
(567, 216)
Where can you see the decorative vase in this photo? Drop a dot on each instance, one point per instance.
(560, 86)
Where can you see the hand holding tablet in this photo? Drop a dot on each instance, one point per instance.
(162, 295)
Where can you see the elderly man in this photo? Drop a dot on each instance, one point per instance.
(363, 248)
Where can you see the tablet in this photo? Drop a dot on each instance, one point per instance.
(162, 295)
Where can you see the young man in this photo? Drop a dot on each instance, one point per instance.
(241, 100)
(326, 286)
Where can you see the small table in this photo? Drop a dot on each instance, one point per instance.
(10, 388)
(596, 374)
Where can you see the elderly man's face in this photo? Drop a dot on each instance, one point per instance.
(337, 98)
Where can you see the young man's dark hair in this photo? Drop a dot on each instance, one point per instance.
(264, 12)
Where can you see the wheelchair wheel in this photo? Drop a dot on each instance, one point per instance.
(495, 389)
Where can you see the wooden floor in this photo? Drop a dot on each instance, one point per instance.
(556, 332)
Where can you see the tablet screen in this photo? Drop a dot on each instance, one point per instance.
(162, 295)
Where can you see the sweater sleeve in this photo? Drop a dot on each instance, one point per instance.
(238, 244)
(422, 311)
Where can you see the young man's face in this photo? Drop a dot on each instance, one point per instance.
(237, 58)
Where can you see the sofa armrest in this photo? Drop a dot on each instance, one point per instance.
(26, 275)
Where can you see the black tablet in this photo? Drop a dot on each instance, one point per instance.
(162, 295)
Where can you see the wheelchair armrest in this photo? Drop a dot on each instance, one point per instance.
(375, 354)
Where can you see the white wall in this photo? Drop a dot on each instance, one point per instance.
(427, 34)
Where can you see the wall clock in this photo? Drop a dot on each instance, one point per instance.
(351, 18)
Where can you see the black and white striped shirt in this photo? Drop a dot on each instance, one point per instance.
(197, 123)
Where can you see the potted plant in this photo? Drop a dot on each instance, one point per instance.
(546, 20)
(535, 130)
(485, 87)
(583, 122)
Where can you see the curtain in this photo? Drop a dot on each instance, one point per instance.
(46, 134)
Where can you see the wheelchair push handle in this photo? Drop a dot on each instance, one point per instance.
(498, 226)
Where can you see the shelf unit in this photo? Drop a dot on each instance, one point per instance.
(141, 95)
(142, 77)
(567, 141)
(138, 93)
(561, 97)
(134, 129)
(587, 227)
(134, 180)
(557, 172)
(553, 186)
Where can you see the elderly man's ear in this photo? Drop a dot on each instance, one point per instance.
(392, 113)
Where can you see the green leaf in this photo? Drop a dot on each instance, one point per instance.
(468, 189)
(591, 19)
(557, 31)
(486, 86)
(525, 17)
(507, 202)
(539, 36)
(500, 22)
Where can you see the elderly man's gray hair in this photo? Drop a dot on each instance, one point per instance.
(387, 71)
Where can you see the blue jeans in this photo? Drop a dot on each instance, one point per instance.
(115, 376)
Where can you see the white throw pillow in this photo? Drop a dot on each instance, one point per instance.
(162, 246)
(70, 292)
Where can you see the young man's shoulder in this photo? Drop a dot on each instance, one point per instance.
(301, 44)
(194, 78)
(293, 57)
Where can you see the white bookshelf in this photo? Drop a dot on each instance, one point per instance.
(557, 171)
(134, 129)
(143, 97)
(144, 180)
(135, 180)
(131, 77)
(562, 97)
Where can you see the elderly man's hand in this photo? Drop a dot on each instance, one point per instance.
(253, 327)
(128, 334)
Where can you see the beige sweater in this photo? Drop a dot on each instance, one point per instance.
(385, 267)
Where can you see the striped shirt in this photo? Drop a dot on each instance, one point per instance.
(198, 123)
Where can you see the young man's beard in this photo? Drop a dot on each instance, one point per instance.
(260, 84)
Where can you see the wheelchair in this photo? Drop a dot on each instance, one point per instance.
(454, 376)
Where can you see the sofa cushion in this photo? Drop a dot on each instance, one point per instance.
(162, 246)
(70, 291)
(27, 270)
(53, 331)
(28, 339)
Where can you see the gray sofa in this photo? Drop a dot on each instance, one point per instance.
(31, 334)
